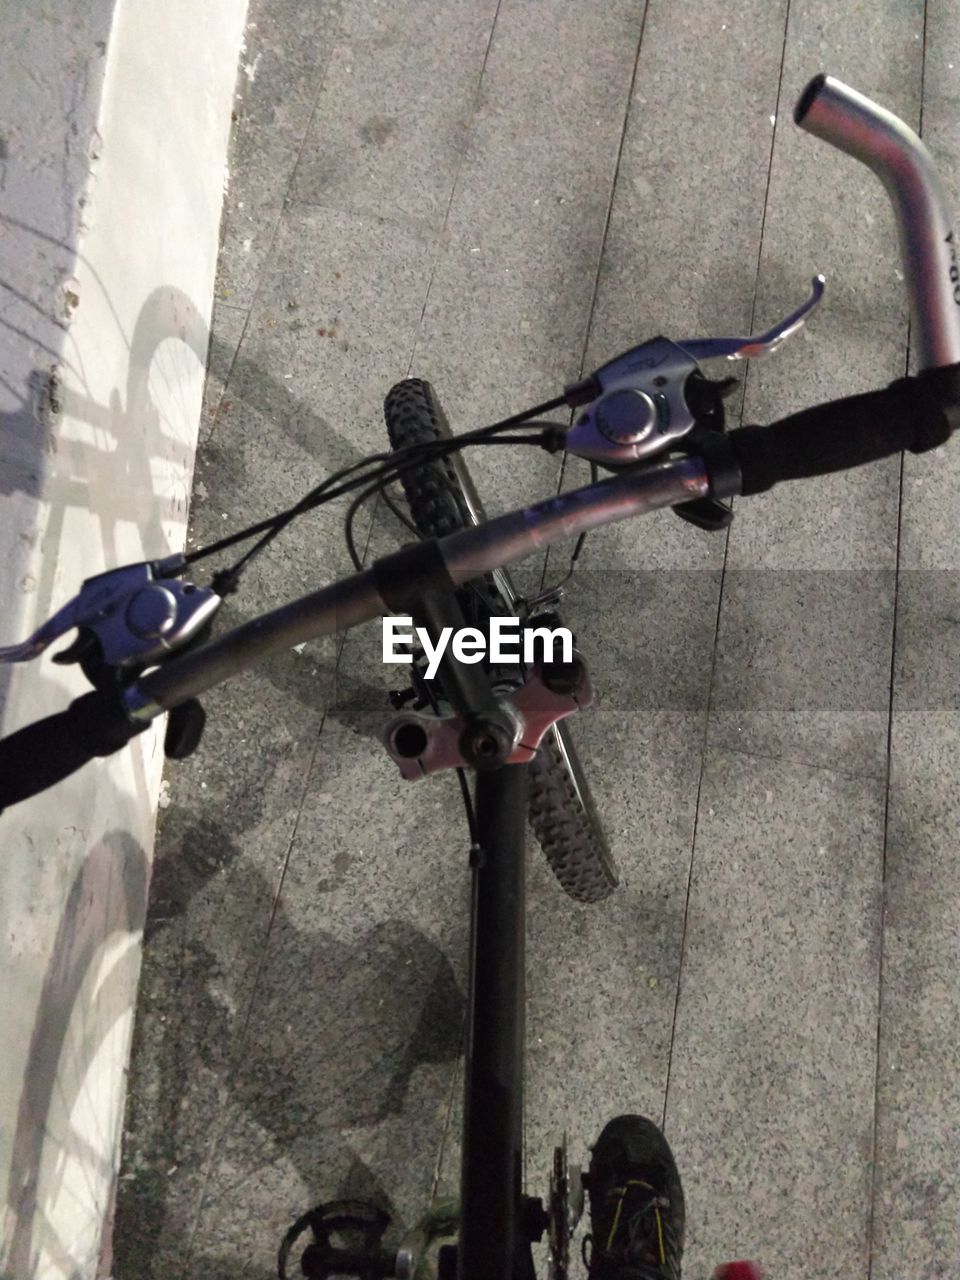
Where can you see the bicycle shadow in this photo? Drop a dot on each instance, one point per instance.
(63, 469)
(58, 443)
(146, 453)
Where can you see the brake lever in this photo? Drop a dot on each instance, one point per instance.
(760, 344)
(136, 613)
(61, 622)
(639, 403)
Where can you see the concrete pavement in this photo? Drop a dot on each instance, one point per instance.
(494, 196)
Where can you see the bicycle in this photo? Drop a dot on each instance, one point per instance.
(656, 422)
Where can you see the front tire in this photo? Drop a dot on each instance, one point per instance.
(442, 501)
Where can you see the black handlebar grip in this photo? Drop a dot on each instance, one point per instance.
(44, 753)
(917, 413)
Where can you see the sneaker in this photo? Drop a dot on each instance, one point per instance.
(636, 1204)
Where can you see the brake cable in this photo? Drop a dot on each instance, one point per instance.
(389, 467)
(553, 591)
(545, 438)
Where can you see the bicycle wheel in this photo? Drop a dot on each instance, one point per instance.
(442, 499)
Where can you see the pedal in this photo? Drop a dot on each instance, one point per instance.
(346, 1241)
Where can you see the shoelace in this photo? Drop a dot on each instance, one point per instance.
(633, 1252)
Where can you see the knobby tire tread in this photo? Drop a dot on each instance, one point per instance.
(562, 816)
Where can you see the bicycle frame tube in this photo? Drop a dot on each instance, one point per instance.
(491, 1174)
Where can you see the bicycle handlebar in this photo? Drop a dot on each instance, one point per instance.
(853, 123)
(912, 413)
(915, 414)
(429, 565)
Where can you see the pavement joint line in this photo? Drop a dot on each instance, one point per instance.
(704, 747)
(854, 775)
(215, 1142)
(872, 1206)
(248, 1015)
(421, 228)
(440, 242)
(763, 225)
(453, 189)
(285, 202)
(591, 311)
(245, 312)
(705, 744)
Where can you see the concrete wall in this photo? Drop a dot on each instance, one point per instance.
(115, 119)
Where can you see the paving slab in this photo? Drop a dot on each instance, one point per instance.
(329, 333)
(798, 1192)
(237, 802)
(336, 306)
(601, 982)
(349, 1065)
(509, 307)
(645, 604)
(396, 109)
(803, 666)
(684, 232)
(280, 78)
(227, 816)
(225, 826)
(770, 1104)
(825, 212)
(918, 1097)
(917, 1196)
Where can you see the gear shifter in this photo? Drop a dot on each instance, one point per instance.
(639, 403)
(132, 616)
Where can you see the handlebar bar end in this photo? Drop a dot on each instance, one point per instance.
(808, 97)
